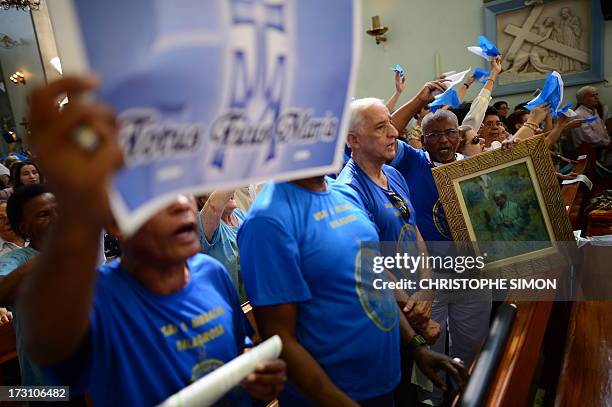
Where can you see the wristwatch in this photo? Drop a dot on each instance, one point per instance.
(416, 341)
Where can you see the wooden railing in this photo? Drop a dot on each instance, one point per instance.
(586, 374)
(7, 347)
(574, 196)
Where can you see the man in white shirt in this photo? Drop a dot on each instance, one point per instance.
(596, 133)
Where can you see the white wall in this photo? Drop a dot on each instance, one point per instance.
(419, 28)
(17, 24)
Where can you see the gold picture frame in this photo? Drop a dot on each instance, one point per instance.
(529, 163)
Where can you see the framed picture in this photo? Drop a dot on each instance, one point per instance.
(562, 35)
(508, 203)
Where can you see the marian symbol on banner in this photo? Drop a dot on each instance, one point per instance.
(259, 67)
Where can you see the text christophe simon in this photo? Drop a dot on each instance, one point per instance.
(410, 264)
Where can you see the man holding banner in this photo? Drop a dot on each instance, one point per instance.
(152, 323)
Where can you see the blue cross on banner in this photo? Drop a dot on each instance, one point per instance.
(258, 93)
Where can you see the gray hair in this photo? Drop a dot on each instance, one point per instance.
(583, 91)
(440, 114)
(357, 108)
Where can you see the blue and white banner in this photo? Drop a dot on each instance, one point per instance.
(215, 93)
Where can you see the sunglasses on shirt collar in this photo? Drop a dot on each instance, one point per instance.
(399, 203)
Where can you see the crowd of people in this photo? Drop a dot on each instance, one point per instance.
(166, 310)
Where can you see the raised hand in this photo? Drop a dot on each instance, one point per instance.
(78, 177)
(538, 114)
(400, 83)
(426, 93)
(496, 65)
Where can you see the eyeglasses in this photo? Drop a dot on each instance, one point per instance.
(399, 203)
(450, 133)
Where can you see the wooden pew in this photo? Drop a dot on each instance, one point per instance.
(574, 196)
(512, 382)
(586, 374)
(8, 349)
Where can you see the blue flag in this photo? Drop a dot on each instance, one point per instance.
(481, 75)
(552, 93)
(485, 49)
(448, 98)
(398, 68)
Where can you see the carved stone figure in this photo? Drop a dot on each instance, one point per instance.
(548, 38)
(569, 33)
(534, 57)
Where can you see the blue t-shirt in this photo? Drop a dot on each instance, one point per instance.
(303, 247)
(15, 259)
(416, 166)
(143, 347)
(223, 248)
(31, 374)
(379, 205)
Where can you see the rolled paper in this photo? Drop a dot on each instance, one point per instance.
(212, 387)
(398, 68)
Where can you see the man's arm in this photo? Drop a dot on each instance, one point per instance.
(402, 116)
(303, 370)
(212, 212)
(57, 294)
(536, 116)
(464, 88)
(431, 362)
(563, 123)
(480, 104)
(400, 85)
